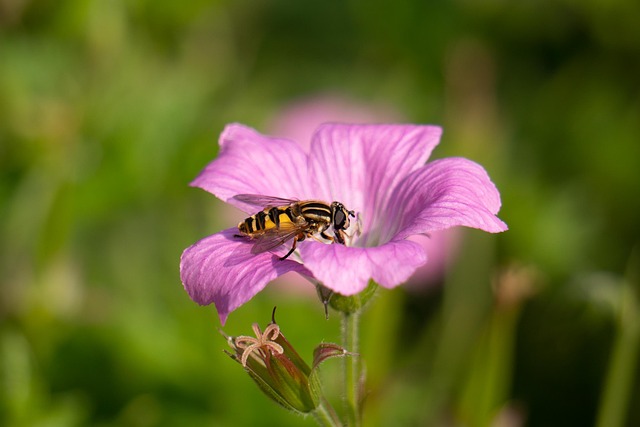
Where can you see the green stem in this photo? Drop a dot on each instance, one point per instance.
(325, 415)
(352, 373)
(619, 382)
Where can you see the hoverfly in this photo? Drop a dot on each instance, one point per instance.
(283, 219)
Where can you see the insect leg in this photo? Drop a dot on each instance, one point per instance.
(327, 237)
(299, 237)
(340, 236)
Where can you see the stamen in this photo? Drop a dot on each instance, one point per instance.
(262, 343)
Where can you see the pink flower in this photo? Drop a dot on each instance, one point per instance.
(376, 170)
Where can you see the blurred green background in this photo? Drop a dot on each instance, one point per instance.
(109, 108)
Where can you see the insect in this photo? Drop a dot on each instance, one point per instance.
(283, 219)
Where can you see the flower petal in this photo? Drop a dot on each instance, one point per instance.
(360, 165)
(443, 194)
(252, 163)
(221, 269)
(347, 270)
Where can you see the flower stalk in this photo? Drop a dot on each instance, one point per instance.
(352, 368)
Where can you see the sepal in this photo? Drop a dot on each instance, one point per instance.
(347, 304)
(327, 351)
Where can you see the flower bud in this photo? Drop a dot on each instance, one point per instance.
(277, 368)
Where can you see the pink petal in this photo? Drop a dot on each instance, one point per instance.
(347, 270)
(360, 165)
(221, 269)
(252, 163)
(443, 194)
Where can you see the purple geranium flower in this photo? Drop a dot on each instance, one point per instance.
(376, 170)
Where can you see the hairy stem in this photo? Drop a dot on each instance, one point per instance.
(352, 368)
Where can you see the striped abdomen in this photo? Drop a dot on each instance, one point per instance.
(266, 219)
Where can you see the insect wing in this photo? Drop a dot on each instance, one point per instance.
(261, 201)
(274, 237)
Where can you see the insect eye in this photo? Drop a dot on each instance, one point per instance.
(339, 219)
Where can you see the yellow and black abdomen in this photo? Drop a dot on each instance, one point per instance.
(265, 220)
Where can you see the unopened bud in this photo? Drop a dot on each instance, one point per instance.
(277, 368)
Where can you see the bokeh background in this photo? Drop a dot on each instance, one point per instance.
(109, 108)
